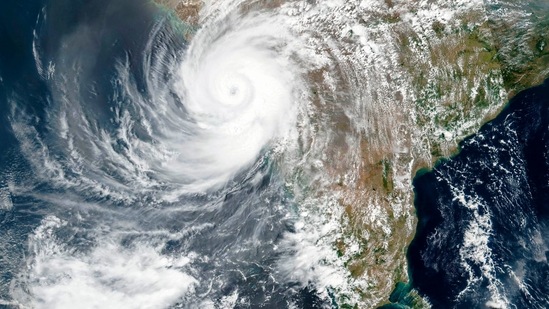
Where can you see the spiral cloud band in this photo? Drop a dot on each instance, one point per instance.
(197, 165)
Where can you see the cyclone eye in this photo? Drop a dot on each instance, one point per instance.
(233, 91)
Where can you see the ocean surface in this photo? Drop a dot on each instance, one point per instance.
(483, 231)
(71, 73)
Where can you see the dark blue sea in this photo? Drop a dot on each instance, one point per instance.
(483, 233)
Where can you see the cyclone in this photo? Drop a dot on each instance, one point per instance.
(163, 165)
(242, 90)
